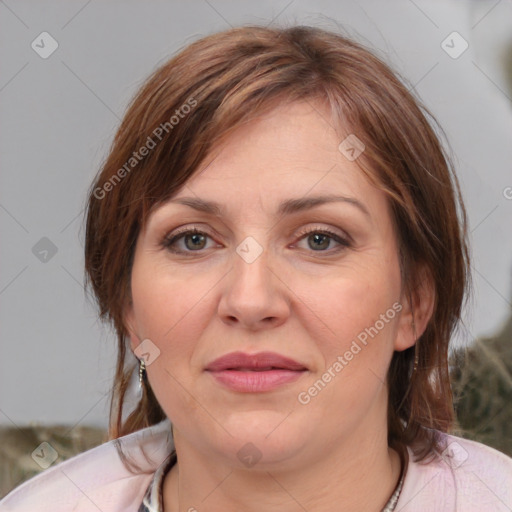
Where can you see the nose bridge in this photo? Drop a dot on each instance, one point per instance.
(251, 266)
(253, 295)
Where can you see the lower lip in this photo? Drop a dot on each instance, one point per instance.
(256, 382)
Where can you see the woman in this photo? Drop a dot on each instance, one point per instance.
(275, 236)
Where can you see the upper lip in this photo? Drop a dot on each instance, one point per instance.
(259, 361)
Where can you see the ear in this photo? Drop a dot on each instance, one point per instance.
(417, 307)
(129, 322)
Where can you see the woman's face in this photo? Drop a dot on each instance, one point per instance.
(298, 259)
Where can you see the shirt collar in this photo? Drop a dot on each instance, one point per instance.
(153, 498)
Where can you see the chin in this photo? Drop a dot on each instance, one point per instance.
(262, 440)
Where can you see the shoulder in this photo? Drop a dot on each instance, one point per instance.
(466, 476)
(96, 479)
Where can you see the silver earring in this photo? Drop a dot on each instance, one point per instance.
(416, 347)
(416, 358)
(142, 375)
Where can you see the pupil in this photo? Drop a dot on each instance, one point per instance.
(197, 241)
(320, 238)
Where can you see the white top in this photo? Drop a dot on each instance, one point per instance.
(469, 477)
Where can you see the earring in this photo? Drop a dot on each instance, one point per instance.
(416, 357)
(416, 344)
(142, 376)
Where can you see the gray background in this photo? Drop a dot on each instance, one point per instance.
(59, 116)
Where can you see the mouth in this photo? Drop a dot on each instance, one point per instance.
(266, 369)
(262, 361)
(255, 373)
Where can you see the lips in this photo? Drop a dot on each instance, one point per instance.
(263, 361)
(255, 373)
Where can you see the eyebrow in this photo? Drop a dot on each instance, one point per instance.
(286, 207)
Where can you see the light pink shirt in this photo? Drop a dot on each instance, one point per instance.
(469, 477)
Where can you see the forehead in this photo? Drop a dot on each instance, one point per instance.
(291, 152)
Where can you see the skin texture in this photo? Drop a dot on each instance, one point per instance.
(306, 298)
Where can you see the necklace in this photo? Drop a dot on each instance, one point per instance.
(391, 504)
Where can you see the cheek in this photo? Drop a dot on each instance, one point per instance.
(170, 312)
(173, 313)
(346, 307)
(354, 332)
(168, 307)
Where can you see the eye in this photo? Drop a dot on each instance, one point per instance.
(191, 240)
(322, 240)
(187, 240)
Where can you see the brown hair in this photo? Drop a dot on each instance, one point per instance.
(227, 79)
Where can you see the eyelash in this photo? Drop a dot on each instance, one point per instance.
(170, 240)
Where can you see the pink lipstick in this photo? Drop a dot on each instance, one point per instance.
(255, 373)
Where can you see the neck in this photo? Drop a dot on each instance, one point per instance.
(360, 475)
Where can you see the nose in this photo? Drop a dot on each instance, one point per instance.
(253, 297)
